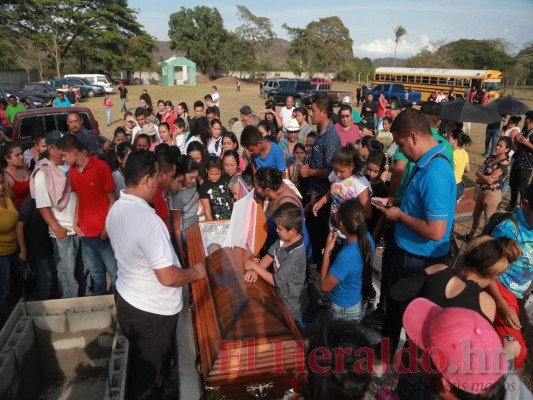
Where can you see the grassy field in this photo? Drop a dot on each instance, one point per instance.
(231, 101)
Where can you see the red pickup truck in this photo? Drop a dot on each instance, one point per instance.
(315, 80)
(28, 122)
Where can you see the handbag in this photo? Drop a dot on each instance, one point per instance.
(23, 273)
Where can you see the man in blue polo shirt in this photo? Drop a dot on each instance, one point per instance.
(424, 215)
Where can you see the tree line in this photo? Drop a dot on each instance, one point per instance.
(53, 35)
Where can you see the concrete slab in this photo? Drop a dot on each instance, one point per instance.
(188, 375)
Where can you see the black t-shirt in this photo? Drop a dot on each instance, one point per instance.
(37, 238)
(123, 91)
(219, 196)
(71, 96)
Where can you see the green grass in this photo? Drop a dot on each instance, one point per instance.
(231, 101)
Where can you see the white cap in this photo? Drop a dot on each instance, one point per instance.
(346, 100)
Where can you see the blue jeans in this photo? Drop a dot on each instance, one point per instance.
(108, 115)
(98, 256)
(44, 278)
(491, 134)
(379, 121)
(123, 105)
(5, 281)
(65, 255)
(460, 191)
(354, 313)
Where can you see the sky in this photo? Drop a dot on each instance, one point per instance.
(371, 23)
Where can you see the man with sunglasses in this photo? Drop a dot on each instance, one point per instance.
(13, 108)
(347, 130)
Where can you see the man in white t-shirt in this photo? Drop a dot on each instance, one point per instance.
(286, 113)
(55, 201)
(148, 296)
(215, 96)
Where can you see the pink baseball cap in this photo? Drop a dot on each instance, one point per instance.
(462, 345)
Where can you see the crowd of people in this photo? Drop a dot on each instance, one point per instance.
(334, 187)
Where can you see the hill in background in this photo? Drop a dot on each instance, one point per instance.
(277, 56)
(388, 62)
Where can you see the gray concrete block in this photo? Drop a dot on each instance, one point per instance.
(51, 323)
(21, 340)
(83, 321)
(8, 368)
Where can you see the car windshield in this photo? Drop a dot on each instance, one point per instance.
(15, 92)
(86, 82)
(48, 87)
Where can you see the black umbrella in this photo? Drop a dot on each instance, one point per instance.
(464, 111)
(508, 106)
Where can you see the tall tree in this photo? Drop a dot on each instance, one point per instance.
(399, 32)
(525, 57)
(323, 45)
(58, 27)
(238, 56)
(258, 31)
(201, 34)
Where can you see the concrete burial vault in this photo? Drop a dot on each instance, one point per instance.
(63, 349)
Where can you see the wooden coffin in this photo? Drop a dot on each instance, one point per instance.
(247, 341)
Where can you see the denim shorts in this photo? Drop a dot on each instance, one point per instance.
(353, 313)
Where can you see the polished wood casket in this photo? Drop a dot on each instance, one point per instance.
(248, 344)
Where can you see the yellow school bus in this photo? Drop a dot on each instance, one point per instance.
(428, 80)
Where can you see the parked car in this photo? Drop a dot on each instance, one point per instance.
(396, 95)
(49, 119)
(315, 80)
(325, 89)
(87, 89)
(35, 102)
(41, 89)
(268, 86)
(299, 90)
(95, 79)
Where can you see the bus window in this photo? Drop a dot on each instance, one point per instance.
(491, 86)
(411, 79)
(418, 79)
(466, 82)
(451, 82)
(425, 79)
(404, 78)
(398, 78)
(387, 78)
(458, 82)
(442, 81)
(433, 81)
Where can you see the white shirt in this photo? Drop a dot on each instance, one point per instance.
(65, 217)
(286, 116)
(216, 99)
(141, 243)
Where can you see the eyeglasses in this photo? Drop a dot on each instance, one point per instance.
(130, 121)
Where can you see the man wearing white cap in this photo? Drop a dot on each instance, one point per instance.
(355, 115)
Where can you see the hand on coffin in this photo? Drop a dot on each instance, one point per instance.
(200, 270)
(250, 276)
(250, 265)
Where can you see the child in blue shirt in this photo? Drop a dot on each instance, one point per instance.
(263, 152)
(349, 279)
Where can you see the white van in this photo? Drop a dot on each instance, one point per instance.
(96, 79)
